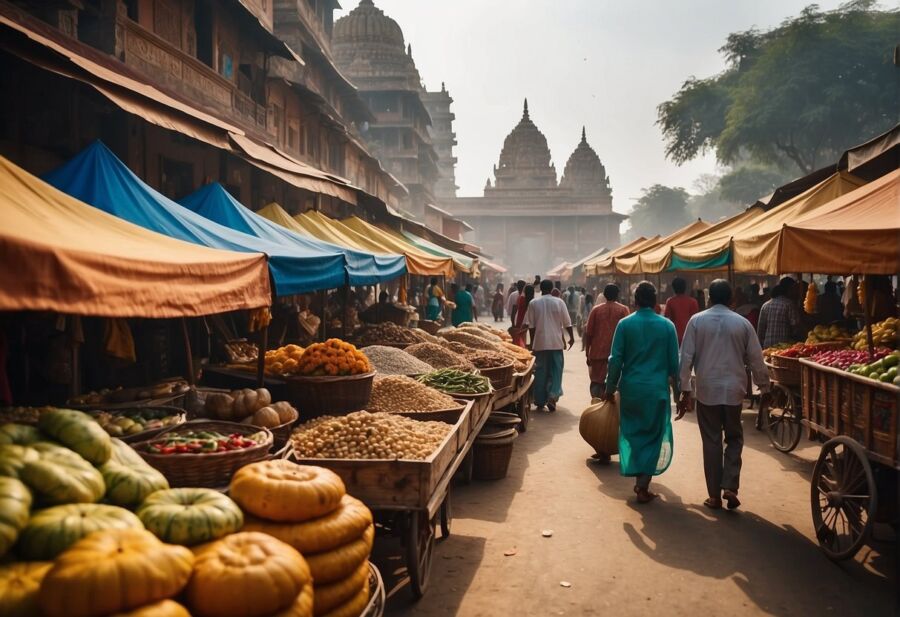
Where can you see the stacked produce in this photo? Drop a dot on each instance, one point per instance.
(883, 369)
(307, 508)
(250, 407)
(470, 341)
(284, 360)
(453, 381)
(135, 421)
(881, 366)
(501, 334)
(393, 361)
(201, 442)
(333, 357)
(190, 516)
(387, 332)
(809, 303)
(824, 334)
(129, 395)
(798, 350)
(488, 359)
(475, 331)
(883, 333)
(22, 415)
(401, 394)
(365, 435)
(439, 357)
(464, 343)
(774, 349)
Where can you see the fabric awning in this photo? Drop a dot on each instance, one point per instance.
(606, 264)
(653, 259)
(62, 255)
(418, 261)
(558, 270)
(215, 203)
(592, 263)
(97, 177)
(492, 266)
(703, 251)
(463, 263)
(578, 264)
(856, 233)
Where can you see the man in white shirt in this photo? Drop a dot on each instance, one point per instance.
(513, 300)
(546, 318)
(718, 345)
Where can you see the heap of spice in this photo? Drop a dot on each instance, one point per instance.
(393, 361)
(399, 394)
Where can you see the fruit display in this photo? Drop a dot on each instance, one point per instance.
(798, 350)
(19, 434)
(20, 583)
(112, 571)
(284, 360)
(253, 407)
(135, 421)
(51, 531)
(365, 435)
(201, 442)
(883, 333)
(129, 478)
(119, 395)
(883, 369)
(400, 394)
(439, 357)
(59, 475)
(774, 349)
(824, 334)
(393, 361)
(333, 357)
(845, 358)
(247, 574)
(809, 302)
(15, 505)
(190, 516)
(22, 415)
(280, 490)
(241, 352)
(453, 381)
(77, 431)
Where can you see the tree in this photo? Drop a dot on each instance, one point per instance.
(746, 184)
(794, 97)
(660, 210)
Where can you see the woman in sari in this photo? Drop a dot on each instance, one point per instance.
(643, 360)
(435, 299)
(520, 329)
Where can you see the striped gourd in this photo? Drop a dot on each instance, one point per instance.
(79, 432)
(15, 505)
(60, 475)
(53, 530)
(190, 515)
(128, 477)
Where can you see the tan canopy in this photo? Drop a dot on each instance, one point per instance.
(606, 264)
(647, 260)
(62, 255)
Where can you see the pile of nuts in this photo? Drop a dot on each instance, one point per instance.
(393, 361)
(387, 332)
(399, 394)
(439, 357)
(364, 435)
(489, 359)
(470, 340)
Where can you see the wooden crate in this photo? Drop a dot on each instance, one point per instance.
(461, 416)
(836, 402)
(394, 484)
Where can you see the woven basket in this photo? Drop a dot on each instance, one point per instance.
(503, 419)
(492, 452)
(501, 376)
(145, 435)
(318, 396)
(377, 594)
(785, 375)
(213, 470)
(282, 433)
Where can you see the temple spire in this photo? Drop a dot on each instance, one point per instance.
(525, 110)
(583, 135)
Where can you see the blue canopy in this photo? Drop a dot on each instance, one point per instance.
(96, 176)
(215, 203)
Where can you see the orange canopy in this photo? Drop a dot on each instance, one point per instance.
(417, 260)
(62, 255)
(606, 257)
(606, 264)
(647, 259)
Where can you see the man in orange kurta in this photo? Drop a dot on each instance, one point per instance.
(598, 336)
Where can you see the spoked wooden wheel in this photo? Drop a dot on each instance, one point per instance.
(844, 498)
(446, 515)
(782, 419)
(523, 407)
(420, 534)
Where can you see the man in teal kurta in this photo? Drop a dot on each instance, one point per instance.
(644, 357)
(465, 303)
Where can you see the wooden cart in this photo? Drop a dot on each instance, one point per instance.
(783, 415)
(855, 479)
(519, 396)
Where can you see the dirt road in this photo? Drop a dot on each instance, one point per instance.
(671, 557)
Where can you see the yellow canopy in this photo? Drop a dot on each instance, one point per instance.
(418, 261)
(460, 262)
(607, 264)
(635, 264)
(703, 251)
(590, 264)
(856, 233)
(62, 255)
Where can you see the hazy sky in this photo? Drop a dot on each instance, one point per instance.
(602, 64)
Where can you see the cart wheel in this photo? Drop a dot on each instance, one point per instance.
(782, 419)
(523, 407)
(843, 498)
(420, 534)
(446, 516)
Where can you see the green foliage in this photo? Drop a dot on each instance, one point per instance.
(744, 185)
(660, 210)
(795, 96)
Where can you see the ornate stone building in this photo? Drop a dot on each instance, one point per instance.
(530, 222)
(369, 50)
(442, 136)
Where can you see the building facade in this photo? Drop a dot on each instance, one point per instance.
(530, 222)
(444, 139)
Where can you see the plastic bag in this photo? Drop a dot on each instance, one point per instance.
(599, 426)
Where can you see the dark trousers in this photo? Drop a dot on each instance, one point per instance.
(722, 468)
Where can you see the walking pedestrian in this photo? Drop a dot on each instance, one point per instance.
(557, 290)
(519, 329)
(680, 307)
(512, 301)
(497, 303)
(643, 360)
(465, 305)
(718, 345)
(435, 300)
(478, 295)
(547, 318)
(598, 336)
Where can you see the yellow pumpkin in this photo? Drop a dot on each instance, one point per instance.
(340, 563)
(163, 608)
(19, 585)
(302, 606)
(329, 597)
(318, 535)
(279, 490)
(114, 570)
(246, 574)
(353, 608)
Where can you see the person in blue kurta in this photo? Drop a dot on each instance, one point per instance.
(643, 359)
(435, 300)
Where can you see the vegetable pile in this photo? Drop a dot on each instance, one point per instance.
(439, 357)
(333, 357)
(393, 361)
(250, 407)
(400, 394)
(201, 442)
(800, 350)
(453, 381)
(823, 334)
(134, 421)
(883, 333)
(845, 358)
(364, 435)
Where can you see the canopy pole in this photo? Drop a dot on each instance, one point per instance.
(323, 296)
(188, 352)
(867, 317)
(345, 302)
(262, 344)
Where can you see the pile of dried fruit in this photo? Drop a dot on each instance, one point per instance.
(489, 359)
(400, 394)
(439, 357)
(365, 435)
(393, 361)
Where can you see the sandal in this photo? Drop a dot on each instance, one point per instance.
(713, 503)
(731, 499)
(644, 495)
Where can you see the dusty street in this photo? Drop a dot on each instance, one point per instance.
(671, 557)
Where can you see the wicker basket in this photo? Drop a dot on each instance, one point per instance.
(501, 376)
(319, 396)
(212, 470)
(377, 595)
(492, 452)
(503, 419)
(281, 434)
(785, 374)
(150, 434)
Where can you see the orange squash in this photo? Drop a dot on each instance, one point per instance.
(163, 608)
(330, 597)
(19, 585)
(343, 561)
(114, 570)
(302, 606)
(279, 490)
(246, 574)
(346, 524)
(352, 608)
